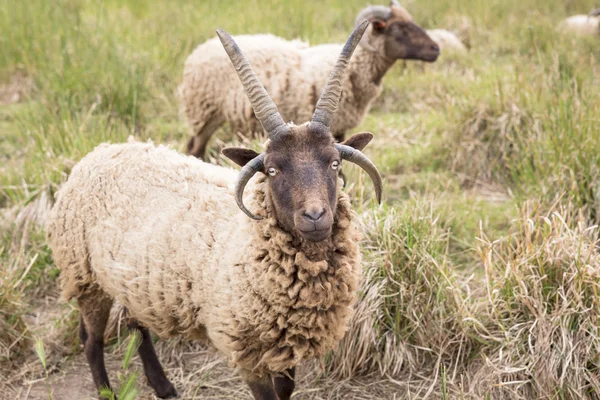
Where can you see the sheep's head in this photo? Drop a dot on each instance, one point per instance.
(394, 32)
(301, 162)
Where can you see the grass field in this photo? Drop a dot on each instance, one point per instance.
(482, 274)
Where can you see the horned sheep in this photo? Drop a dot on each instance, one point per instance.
(295, 75)
(583, 24)
(161, 233)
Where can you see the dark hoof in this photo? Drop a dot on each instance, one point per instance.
(168, 393)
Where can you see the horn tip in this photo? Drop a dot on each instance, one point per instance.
(223, 35)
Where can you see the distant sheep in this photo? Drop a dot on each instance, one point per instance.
(295, 75)
(447, 40)
(583, 24)
(161, 233)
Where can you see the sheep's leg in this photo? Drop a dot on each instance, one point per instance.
(197, 145)
(262, 388)
(94, 307)
(82, 332)
(285, 384)
(154, 371)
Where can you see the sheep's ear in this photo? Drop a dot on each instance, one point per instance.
(359, 141)
(239, 155)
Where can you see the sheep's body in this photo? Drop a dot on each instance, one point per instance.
(446, 40)
(162, 234)
(212, 93)
(582, 24)
(292, 73)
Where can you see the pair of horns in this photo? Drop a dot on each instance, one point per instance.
(272, 122)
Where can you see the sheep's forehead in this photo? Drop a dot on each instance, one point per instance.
(301, 144)
(400, 14)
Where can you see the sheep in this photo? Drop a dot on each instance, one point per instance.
(295, 75)
(446, 40)
(161, 233)
(583, 24)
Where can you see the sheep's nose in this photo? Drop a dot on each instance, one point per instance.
(314, 214)
(435, 47)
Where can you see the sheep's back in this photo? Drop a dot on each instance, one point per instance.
(211, 88)
(141, 222)
(582, 25)
(446, 40)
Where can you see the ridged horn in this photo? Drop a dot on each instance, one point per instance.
(252, 167)
(357, 157)
(330, 96)
(264, 107)
(380, 12)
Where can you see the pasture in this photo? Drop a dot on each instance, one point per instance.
(482, 264)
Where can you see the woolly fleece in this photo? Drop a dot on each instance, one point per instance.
(161, 233)
(292, 73)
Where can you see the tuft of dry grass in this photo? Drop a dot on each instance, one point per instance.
(543, 305)
(413, 318)
(13, 330)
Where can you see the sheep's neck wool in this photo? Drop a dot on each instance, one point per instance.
(302, 292)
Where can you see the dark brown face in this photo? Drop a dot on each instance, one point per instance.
(407, 41)
(403, 39)
(302, 170)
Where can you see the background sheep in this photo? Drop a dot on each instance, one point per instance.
(173, 248)
(583, 24)
(446, 40)
(295, 75)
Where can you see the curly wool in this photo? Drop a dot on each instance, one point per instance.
(161, 233)
(293, 74)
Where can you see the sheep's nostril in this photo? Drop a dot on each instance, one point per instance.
(314, 214)
(435, 47)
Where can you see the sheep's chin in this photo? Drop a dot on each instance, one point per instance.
(316, 235)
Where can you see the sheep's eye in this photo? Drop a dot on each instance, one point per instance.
(335, 164)
(272, 171)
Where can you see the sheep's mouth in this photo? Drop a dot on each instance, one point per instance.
(431, 57)
(428, 56)
(316, 235)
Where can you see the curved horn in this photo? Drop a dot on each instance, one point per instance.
(358, 158)
(252, 167)
(264, 107)
(330, 96)
(380, 12)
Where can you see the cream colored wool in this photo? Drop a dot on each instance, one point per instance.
(582, 25)
(292, 73)
(161, 233)
(446, 40)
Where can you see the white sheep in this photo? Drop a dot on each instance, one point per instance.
(583, 24)
(295, 75)
(161, 233)
(446, 40)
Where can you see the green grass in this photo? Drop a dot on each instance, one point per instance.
(467, 147)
